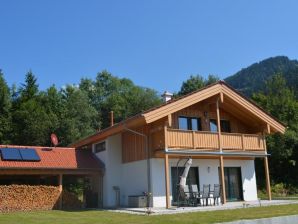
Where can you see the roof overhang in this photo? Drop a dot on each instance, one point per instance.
(46, 171)
(219, 88)
(117, 128)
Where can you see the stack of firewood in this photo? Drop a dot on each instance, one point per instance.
(27, 198)
(70, 201)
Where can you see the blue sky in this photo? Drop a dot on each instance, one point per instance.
(157, 44)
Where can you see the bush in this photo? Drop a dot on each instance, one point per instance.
(279, 190)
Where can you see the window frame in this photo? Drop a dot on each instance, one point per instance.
(189, 123)
(101, 150)
(221, 126)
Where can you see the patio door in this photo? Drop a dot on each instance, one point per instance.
(192, 179)
(233, 182)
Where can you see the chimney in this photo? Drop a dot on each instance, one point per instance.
(112, 118)
(166, 96)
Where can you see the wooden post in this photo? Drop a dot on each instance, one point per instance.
(242, 142)
(112, 118)
(222, 180)
(170, 120)
(167, 180)
(268, 129)
(218, 126)
(221, 97)
(221, 162)
(60, 182)
(193, 140)
(268, 187)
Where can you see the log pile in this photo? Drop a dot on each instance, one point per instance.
(28, 198)
(70, 201)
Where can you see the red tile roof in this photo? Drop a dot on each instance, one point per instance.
(56, 158)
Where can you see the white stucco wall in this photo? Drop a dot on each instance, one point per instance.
(112, 158)
(131, 178)
(134, 180)
(205, 177)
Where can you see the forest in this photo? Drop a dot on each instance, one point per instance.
(29, 115)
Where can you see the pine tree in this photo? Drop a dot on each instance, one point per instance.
(5, 107)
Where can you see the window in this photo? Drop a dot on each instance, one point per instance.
(190, 123)
(224, 125)
(99, 147)
(213, 125)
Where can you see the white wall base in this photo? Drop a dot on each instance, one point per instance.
(206, 176)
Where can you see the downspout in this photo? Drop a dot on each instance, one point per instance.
(148, 160)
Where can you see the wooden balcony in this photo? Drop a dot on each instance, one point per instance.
(209, 141)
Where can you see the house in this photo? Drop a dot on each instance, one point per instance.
(219, 128)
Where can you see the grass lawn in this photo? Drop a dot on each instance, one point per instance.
(90, 217)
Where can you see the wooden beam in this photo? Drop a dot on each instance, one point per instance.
(222, 180)
(268, 129)
(167, 181)
(43, 171)
(112, 118)
(170, 120)
(60, 182)
(242, 142)
(160, 154)
(218, 126)
(221, 97)
(268, 187)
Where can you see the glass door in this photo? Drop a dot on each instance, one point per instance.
(233, 182)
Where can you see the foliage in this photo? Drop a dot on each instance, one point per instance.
(195, 82)
(252, 79)
(109, 93)
(28, 116)
(280, 101)
(78, 118)
(5, 106)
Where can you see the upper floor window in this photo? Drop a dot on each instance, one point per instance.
(224, 125)
(99, 147)
(190, 123)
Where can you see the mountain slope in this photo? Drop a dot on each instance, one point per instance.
(253, 78)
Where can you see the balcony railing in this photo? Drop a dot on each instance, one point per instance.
(201, 140)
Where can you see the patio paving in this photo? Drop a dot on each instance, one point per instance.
(229, 205)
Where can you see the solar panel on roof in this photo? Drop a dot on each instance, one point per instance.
(29, 155)
(11, 154)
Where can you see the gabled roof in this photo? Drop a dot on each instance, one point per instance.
(177, 104)
(55, 158)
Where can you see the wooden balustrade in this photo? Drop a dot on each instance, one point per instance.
(202, 140)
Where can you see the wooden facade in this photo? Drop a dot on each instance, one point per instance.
(204, 141)
(243, 137)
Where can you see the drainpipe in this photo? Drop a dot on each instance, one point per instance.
(148, 160)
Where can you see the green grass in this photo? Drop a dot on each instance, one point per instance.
(90, 217)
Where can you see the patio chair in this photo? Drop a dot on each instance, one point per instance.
(195, 194)
(205, 195)
(186, 197)
(216, 193)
